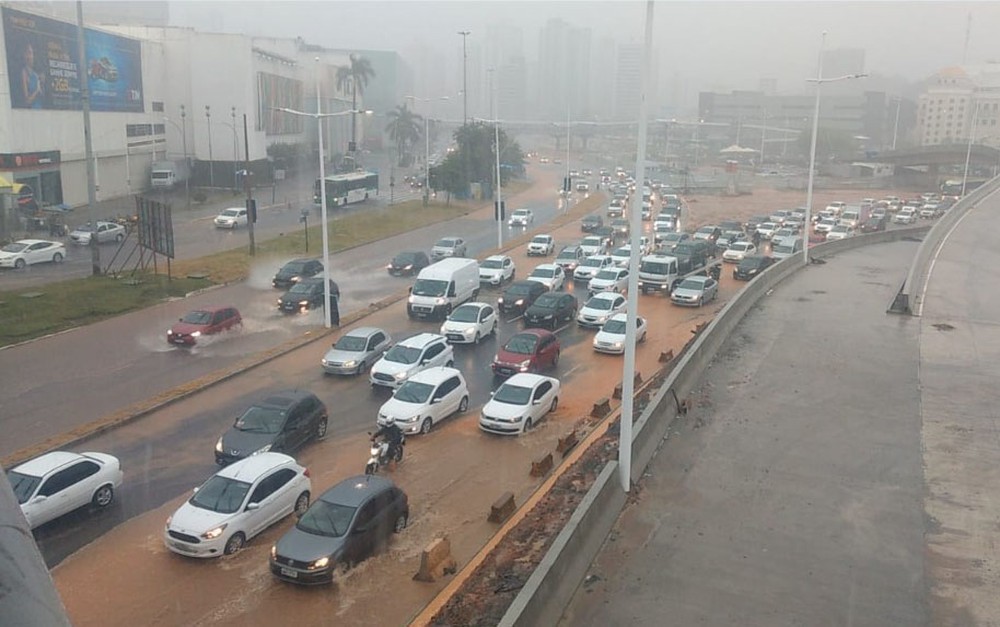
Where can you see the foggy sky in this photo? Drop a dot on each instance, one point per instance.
(714, 45)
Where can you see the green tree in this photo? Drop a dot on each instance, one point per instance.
(404, 128)
(356, 76)
(475, 158)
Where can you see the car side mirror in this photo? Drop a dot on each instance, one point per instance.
(252, 506)
(41, 498)
(359, 530)
(435, 400)
(195, 490)
(536, 401)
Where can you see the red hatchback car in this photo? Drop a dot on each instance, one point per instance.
(531, 350)
(207, 321)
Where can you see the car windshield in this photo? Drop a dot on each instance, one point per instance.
(673, 237)
(705, 230)
(547, 301)
(221, 494)
(601, 304)
(465, 313)
(615, 326)
(24, 485)
(326, 519)
(829, 222)
(691, 284)
(522, 344)
(622, 252)
(751, 262)
(301, 288)
(197, 317)
(231, 213)
(293, 267)
(540, 239)
(591, 241)
(261, 420)
(567, 254)
(445, 243)
(740, 246)
(512, 394)
(519, 290)
(609, 275)
(591, 219)
(404, 259)
(414, 392)
(85, 228)
(15, 247)
(403, 354)
(430, 287)
(543, 273)
(593, 263)
(782, 249)
(351, 343)
(491, 264)
(654, 267)
(840, 228)
(521, 213)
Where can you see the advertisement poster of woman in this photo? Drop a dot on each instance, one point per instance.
(31, 82)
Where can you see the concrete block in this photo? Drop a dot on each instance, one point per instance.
(436, 561)
(567, 442)
(502, 508)
(601, 408)
(541, 465)
(618, 388)
(667, 356)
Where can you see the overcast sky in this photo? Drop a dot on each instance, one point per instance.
(719, 45)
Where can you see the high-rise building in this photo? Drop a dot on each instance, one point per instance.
(564, 76)
(628, 76)
(960, 102)
(601, 81)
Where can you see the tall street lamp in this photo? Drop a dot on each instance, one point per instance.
(427, 144)
(236, 152)
(819, 80)
(465, 77)
(895, 125)
(183, 129)
(319, 116)
(211, 163)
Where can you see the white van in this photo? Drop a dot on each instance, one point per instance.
(788, 247)
(442, 286)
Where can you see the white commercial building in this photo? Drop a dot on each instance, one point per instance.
(959, 103)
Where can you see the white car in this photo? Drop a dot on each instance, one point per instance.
(26, 252)
(448, 247)
(600, 308)
(837, 207)
(106, 232)
(407, 358)
(590, 266)
(59, 482)
(550, 275)
(469, 323)
(782, 233)
(841, 231)
(906, 215)
(611, 337)
(766, 229)
(826, 225)
(929, 210)
(237, 503)
(425, 400)
(521, 217)
(496, 269)
(695, 290)
(737, 251)
(542, 245)
(609, 280)
(520, 403)
(593, 245)
(621, 255)
(231, 218)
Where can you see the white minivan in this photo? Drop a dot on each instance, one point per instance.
(442, 286)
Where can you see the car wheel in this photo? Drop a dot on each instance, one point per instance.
(513, 274)
(400, 523)
(493, 331)
(555, 404)
(475, 340)
(464, 405)
(302, 504)
(425, 426)
(104, 496)
(19, 264)
(555, 360)
(235, 543)
(527, 425)
(57, 258)
(119, 238)
(450, 364)
(321, 428)
(361, 367)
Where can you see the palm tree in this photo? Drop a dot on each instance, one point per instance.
(404, 129)
(356, 74)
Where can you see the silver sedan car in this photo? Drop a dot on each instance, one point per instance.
(355, 351)
(695, 291)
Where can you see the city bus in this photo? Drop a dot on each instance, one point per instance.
(342, 189)
(953, 188)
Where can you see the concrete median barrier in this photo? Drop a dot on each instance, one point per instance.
(502, 508)
(541, 465)
(436, 561)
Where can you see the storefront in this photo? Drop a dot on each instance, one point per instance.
(34, 177)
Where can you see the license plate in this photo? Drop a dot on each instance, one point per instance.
(288, 572)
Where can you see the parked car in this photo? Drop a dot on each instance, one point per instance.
(550, 275)
(104, 231)
(695, 290)
(281, 423)
(841, 231)
(590, 266)
(751, 266)
(203, 322)
(520, 403)
(737, 251)
(470, 322)
(569, 258)
(60, 482)
(27, 252)
(355, 351)
(296, 270)
(591, 222)
(611, 279)
(519, 295)
(496, 269)
(448, 247)
(408, 263)
(530, 350)
(541, 245)
(410, 356)
(426, 399)
(753, 223)
(236, 504)
(521, 217)
(600, 308)
(343, 526)
(231, 218)
(611, 337)
(551, 310)
(305, 295)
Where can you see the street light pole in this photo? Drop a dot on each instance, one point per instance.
(236, 153)
(763, 132)
(88, 145)
(499, 198)
(322, 200)
(465, 78)
(895, 126)
(211, 163)
(187, 163)
(427, 145)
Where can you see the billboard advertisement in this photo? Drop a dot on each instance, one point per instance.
(44, 68)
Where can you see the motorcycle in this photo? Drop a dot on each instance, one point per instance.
(380, 454)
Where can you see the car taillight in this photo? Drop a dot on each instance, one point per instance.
(305, 473)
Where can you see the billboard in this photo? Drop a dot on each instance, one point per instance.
(275, 91)
(44, 68)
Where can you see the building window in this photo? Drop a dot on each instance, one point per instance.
(138, 130)
(159, 129)
(157, 106)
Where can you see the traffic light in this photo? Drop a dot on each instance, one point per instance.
(499, 210)
(567, 184)
(252, 210)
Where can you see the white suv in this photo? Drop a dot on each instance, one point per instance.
(407, 358)
(496, 269)
(425, 400)
(521, 217)
(543, 245)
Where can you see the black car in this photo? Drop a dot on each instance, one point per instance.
(621, 227)
(607, 233)
(296, 270)
(752, 266)
(520, 295)
(345, 525)
(281, 423)
(730, 225)
(591, 222)
(408, 263)
(691, 254)
(551, 309)
(305, 295)
(872, 225)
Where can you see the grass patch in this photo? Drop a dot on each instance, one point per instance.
(57, 306)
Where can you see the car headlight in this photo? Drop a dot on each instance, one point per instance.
(218, 446)
(295, 279)
(440, 301)
(279, 302)
(212, 534)
(517, 419)
(402, 375)
(618, 344)
(519, 302)
(262, 449)
(170, 331)
(320, 563)
(412, 418)
(547, 317)
(469, 332)
(274, 551)
(408, 267)
(411, 299)
(350, 364)
(525, 363)
(169, 518)
(303, 303)
(388, 266)
(500, 300)
(196, 334)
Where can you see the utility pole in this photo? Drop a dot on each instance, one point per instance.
(465, 77)
(187, 162)
(211, 162)
(236, 153)
(246, 186)
(95, 249)
(895, 126)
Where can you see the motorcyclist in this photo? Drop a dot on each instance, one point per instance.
(394, 436)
